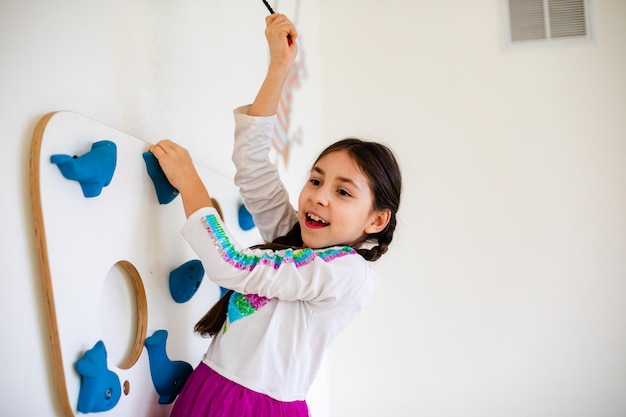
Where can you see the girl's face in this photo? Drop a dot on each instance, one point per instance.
(335, 205)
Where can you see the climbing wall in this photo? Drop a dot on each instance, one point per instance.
(107, 252)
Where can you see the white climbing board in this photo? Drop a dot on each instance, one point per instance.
(81, 241)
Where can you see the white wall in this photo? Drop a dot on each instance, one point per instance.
(505, 291)
(153, 69)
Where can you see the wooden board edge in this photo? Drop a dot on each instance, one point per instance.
(44, 266)
(141, 302)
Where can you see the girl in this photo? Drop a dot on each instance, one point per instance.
(287, 300)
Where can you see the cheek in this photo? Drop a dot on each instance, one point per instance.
(358, 219)
(301, 199)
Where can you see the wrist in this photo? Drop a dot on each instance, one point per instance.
(191, 185)
(279, 68)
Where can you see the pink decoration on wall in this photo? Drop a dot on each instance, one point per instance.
(284, 135)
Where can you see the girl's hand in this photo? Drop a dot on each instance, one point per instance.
(281, 37)
(175, 163)
(181, 173)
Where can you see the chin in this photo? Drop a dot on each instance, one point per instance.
(312, 244)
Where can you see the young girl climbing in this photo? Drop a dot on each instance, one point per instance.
(287, 300)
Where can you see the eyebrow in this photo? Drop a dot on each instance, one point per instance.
(342, 179)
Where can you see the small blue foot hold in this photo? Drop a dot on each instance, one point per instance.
(100, 389)
(168, 376)
(164, 190)
(185, 280)
(245, 218)
(223, 291)
(93, 170)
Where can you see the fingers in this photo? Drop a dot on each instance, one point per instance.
(156, 150)
(166, 147)
(279, 23)
(159, 147)
(276, 18)
(175, 162)
(163, 144)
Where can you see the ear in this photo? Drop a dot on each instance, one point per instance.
(378, 221)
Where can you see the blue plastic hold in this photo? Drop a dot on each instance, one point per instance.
(165, 191)
(93, 170)
(168, 376)
(100, 389)
(223, 291)
(245, 218)
(185, 280)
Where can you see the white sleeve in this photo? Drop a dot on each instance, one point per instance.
(258, 179)
(325, 276)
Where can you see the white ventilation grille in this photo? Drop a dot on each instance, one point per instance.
(532, 20)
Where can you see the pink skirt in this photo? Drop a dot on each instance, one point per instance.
(208, 394)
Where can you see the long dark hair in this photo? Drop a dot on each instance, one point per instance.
(379, 165)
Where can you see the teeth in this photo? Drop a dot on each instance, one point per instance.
(317, 219)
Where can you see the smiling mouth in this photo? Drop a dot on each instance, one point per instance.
(315, 222)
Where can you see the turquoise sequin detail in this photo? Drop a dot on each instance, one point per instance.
(240, 306)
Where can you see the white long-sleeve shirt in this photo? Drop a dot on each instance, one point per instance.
(289, 304)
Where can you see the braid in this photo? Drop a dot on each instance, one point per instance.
(213, 320)
(384, 239)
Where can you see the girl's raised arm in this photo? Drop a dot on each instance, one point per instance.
(281, 37)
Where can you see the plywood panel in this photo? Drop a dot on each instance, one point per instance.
(88, 244)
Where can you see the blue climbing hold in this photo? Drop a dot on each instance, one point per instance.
(185, 280)
(165, 191)
(245, 218)
(100, 388)
(168, 376)
(93, 170)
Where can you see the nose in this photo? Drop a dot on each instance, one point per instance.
(320, 196)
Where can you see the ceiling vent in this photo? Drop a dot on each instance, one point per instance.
(535, 20)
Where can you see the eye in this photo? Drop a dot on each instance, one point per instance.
(344, 193)
(315, 182)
